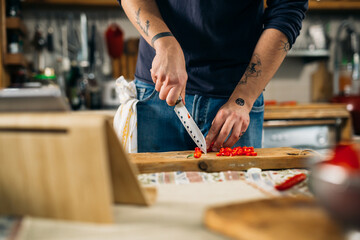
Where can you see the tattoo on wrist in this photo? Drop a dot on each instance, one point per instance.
(285, 46)
(240, 102)
(145, 28)
(253, 70)
(160, 35)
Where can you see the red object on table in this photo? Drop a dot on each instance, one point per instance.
(237, 151)
(346, 156)
(197, 153)
(290, 182)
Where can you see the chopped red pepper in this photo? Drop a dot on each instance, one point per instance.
(288, 183)
(197, 154)
(237, 151)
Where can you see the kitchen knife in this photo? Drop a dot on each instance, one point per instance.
(190, 125)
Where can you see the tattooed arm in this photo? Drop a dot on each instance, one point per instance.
(269, 53)
(168, 67)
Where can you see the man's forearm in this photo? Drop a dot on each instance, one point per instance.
(146, 17)
(268, 55)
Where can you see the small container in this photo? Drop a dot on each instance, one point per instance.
(345, 78)
(13, 42)
(13, 8)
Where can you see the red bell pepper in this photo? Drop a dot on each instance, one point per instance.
(288, 183)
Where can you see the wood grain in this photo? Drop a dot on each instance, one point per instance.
(123, 175)
(16, 23)
(321, 84)
(54, 166)
(4, 76)
(306, 111)
(59, 166)
(334, 5)
(273, 219)
(95, 3)
(267, 158)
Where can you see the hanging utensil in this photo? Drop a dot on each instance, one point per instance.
(39, 43)
(64, 50)
(115, 45)
(84, 57)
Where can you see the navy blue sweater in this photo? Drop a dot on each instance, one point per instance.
(218, 38)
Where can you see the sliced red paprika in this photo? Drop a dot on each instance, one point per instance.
(288, 183)
(253, 153)
(197, 154)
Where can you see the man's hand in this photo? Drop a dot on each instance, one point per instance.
(232, 117)
(168, 70)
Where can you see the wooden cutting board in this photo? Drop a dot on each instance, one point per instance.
(274, 219)
(267, 158)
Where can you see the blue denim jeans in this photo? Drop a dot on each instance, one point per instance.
(160, 130)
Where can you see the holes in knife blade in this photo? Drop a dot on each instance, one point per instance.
(187, 126)
(184, 122)
(181, 117)
(197, 141)
(178, 112)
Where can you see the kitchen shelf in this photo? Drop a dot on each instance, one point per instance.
(309, 53)
(17, 59)
(75, 2)
(334, 5)
(313, 4)
(16, 23)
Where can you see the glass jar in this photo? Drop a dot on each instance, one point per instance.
(345, 78)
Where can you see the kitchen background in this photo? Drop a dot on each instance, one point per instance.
(52, 43)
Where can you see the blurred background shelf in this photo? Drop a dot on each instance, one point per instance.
(334, 5)
(313, 4)
(308, 53)
(16, 23)
(75, 2)
(16, 59)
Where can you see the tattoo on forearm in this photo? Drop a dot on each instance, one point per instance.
(253, 70)
(285, 46)
(145, 28)
(240, 102)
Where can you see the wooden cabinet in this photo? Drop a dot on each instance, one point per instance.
(334, 4)
(75, 2)
(9, 59)
(4, 76)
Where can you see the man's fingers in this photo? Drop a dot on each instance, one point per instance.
(224, 132)
(244, 127)
(164, 90)
(172, 96)
(235, 135)
(214, 129)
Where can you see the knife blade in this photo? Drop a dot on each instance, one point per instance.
(190, 125)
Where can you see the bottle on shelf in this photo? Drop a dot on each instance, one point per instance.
(72, 87)
(14, 41)
(345, 78)
(13, 8)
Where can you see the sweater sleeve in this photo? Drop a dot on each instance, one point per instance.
(285, 16)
